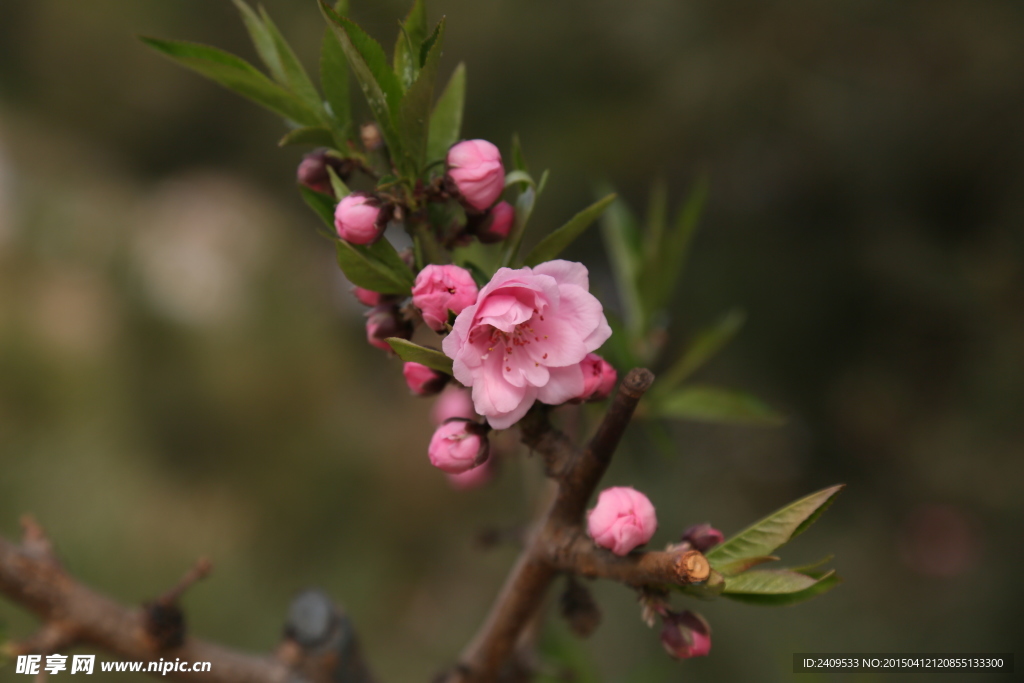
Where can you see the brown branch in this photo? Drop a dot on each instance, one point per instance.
(73, 614)
(490, 656)
(577, 554)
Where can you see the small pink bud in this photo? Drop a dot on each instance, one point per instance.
(367, 297)
(385, 321)
(686, 635)
(474, 478)
(357, 219)
(439, 289)
(702, 537)
(622, 520)
(458, 446)
(599, 378)
(312, 170)
(423, 381)
(474, 166)
(456, 402)
(498, 224)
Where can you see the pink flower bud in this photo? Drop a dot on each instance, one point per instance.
(456, 402)
(385, 321)
(498, 224)
(423, 381)
(367, 297)
(474, 478)
(357, 219)
(622, 520)
(312, 170)
(599, 378)
(702, 537)
(439, 289)
(458, 446)
(686, 635)
(474, 166)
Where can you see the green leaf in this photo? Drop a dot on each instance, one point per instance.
(704, 346)
(815, 588)
(618, 229)
(410, 39)
(518, 160)
(775, 530)
(740, 566)
(338, 185)
(552, 245)
(368, 62)
(318, 136)
(513, 177)
(414, 353)
(262, 40)
(237, 75)
(768, 582)
(364, 269)
(706, 590)
(712, 404)
(524, 207)
(384, 252)
(446, 121)
(676, 248)
(322, 204)
(414, 113)
(334, 81)
(295, 77)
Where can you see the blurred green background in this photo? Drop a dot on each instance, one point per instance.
(183, 373)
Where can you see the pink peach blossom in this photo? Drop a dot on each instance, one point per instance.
(475, 168)
(439, 289)
(457, 446)
(523, 339)
(357, 219)
(622, 520)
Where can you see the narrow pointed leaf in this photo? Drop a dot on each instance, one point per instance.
(740, 566)
(446, 120)
(338, 185)
(295, 77)
(524, 207)
(262, 40)
(334, 81)
(676, 247)
(237, 75)
(376, 79)
(704, 346)
(414, 353)
(817, 587)
(712, 404)
(775, 530)
(618, 230)
(318, 136)
(410, 39)
(706, 590)
(363, 269)
(513, 177)
(414, 113)
(552, 245)
(323, 206)
(384, 252)
(768, 581)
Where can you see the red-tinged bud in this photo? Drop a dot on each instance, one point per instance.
(312, 170)
(599, 378)
(685, 635)
(497, 225)
(385, 321)
(458, 446)
(423, 381)
(359, 219)
(475, 169)
(368, 297)
(702, 537)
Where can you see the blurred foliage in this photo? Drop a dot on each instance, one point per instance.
(182, 373)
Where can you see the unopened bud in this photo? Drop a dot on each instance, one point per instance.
(369, 133)
(359, 219)
(440, 289)
(385, 321)
(475, 170)
(599, 378)
(473, 478)
(312, 170)
(702, 537)
(423, 381)
(497, 225)
(458, 446)
(685, 635)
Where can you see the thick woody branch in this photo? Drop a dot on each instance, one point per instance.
(490, 656)
(73, 614)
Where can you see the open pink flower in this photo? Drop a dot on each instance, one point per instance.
(622, 520)
(439, 289)
(523, 339)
